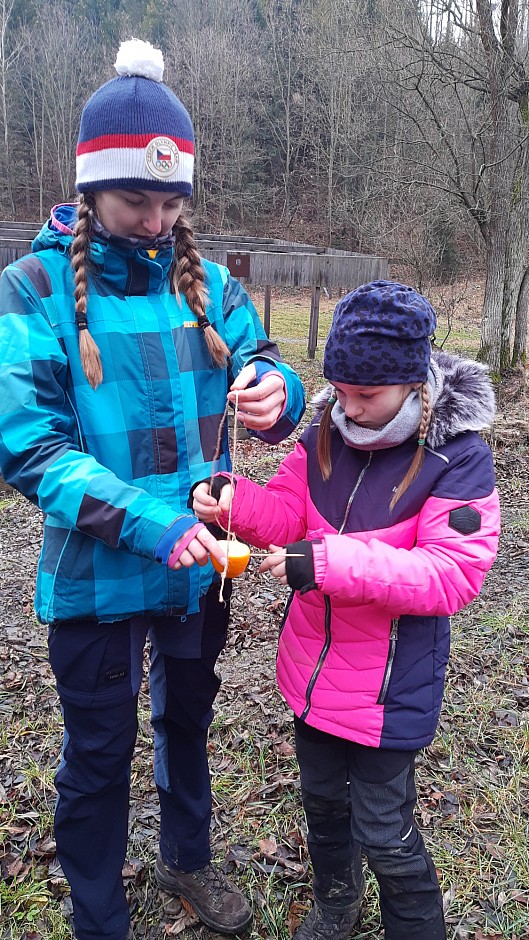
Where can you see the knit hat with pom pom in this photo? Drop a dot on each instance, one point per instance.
(135, 133)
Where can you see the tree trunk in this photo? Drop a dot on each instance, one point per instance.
(519, 351)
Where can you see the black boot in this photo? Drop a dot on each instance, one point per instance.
(324, 923)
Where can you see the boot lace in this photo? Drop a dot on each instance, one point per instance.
(213, 881)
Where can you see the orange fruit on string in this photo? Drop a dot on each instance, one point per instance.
(238, 555)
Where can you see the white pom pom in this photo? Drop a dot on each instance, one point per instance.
(136, 57)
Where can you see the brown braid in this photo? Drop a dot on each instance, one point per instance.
(324, 440)
(417, 462)
(90, 356)
(188, 277)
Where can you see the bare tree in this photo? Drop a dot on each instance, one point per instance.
(218, 88)
(456, 80)
(508, 168)
(10, 50)
(53, 96)
(337, 116)
(283, 93)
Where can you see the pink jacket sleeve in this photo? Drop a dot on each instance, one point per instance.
(275, 514)
(442, 573)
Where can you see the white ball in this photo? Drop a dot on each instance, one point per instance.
(136, 57)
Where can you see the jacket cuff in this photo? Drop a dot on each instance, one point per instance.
(164, 546)
(300, 570)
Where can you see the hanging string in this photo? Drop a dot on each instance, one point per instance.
(229, 534)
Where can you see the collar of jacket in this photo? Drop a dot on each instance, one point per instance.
(128, 269)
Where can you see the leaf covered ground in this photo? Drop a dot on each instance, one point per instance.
(473, 781)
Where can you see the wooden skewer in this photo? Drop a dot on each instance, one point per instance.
(286, 554)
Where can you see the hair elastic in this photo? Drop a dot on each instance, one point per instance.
(203, 321)
(421, 442)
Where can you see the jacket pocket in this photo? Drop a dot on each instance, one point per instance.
(393, 637)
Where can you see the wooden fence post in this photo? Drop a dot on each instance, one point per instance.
(314, 322)
(267, 296)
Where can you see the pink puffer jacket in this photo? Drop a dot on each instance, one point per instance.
(363, 654)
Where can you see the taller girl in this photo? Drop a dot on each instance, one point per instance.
(118, 349)
(390, 500)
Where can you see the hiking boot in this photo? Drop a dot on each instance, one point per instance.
(322, 923)
(217, 901)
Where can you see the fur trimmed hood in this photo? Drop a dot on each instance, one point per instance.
(466, 401)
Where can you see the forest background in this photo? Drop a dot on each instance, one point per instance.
(399, 129)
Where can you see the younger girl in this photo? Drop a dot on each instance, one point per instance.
(388, 514)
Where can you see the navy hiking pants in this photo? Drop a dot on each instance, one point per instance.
(359, 801)
(98, 669)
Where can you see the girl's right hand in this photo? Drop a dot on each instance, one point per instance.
(275, 563)
(206, 507)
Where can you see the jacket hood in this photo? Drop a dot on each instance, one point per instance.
(58, 230)
(466, 401)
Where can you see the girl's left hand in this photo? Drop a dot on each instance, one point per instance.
(205, 506)
(259, 407)
(275, 563)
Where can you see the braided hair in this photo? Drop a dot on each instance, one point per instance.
(187, 277)
(418, 459)
(323, 446)
(88, 348)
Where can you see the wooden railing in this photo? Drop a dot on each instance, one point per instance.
(263, 262)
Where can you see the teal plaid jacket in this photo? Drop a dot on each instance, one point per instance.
(111, 469)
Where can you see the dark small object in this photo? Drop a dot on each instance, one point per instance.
(238, 264)
(465, 520)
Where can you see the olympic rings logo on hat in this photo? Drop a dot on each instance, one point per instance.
(162, 157)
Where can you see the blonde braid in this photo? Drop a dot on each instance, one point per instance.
(417, 462)
(90, 355)
(188, 277)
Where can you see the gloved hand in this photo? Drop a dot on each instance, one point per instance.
(292, 565)
(207, 503)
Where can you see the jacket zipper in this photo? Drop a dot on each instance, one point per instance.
(321, 657)
(353, 494)
(328, 635)
(393, 637)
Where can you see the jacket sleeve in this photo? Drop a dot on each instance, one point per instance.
(274, 514)
(456, 544)
(249, 343)
(40, 446)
